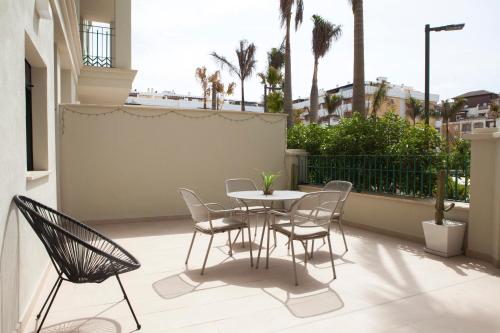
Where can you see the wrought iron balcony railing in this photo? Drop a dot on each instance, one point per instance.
(410, 176)
(97, 45)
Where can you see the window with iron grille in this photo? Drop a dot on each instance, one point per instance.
(97, 38)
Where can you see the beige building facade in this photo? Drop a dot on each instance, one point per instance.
(40, 67)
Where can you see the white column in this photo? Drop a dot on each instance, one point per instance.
(123, 39)
(484, 213)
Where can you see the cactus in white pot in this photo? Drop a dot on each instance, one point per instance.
(440, 195)
(443, 237)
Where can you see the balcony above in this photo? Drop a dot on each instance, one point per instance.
(104, 85)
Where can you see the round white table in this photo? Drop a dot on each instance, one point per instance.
(267, 202)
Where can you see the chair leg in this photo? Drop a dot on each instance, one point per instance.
(312, 249)
(256, 225)
(48, 297)
(206, 255)
(294, 264)
(128, 302)
(260, 245)
(52, 298)
(305, 253)
(190, 247)
(343, 236)
(250, 245)
(331, 257)
(242, 238)
(237, 235)
(230, 243)
(267, 247)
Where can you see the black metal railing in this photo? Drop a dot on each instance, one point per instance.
(97, 45)
(413, 176)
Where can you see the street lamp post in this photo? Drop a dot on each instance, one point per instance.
(428, 29)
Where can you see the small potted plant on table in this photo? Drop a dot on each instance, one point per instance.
(443, 237)
(268, 179)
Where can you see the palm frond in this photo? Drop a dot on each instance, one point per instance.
(332, 103)
(246, 59)
(285, 10)
(379, 97)
(299, 13)
(414, 107)
(323, 35)
(230, 88)
(224, 62)
(276, 57)
(353, 4)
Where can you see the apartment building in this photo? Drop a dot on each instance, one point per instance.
(395, 100)
(475, 114)
(57, 51)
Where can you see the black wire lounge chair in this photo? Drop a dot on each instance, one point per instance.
(79, 253)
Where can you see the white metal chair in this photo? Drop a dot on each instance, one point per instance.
(242, 208)
(208, 221)
(345, 189)
(309, 218)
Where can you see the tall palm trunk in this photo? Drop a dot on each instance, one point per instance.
(242, 95)
(358, 97)
(314, 95)
(288, 76)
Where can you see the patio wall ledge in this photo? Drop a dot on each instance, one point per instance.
(292, 157)
(484, 227)
(391, 215)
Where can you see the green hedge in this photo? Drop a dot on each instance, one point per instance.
(386, 135)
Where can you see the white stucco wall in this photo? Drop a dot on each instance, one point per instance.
(395, 216)
(23, 259)
(119, 166)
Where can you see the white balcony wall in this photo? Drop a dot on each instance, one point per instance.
(122, 165)
(23, 260)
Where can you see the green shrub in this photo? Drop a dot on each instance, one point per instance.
(275, 101)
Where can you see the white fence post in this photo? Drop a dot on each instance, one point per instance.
(484, 214)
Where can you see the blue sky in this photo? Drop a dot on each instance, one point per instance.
(170, 38)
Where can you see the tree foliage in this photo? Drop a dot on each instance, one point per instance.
(386, 135)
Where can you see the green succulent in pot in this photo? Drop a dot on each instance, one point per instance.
(268, 179)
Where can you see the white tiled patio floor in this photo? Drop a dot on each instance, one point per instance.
(383, 284)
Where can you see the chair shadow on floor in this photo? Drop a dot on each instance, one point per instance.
(85, 325)
(311, 298)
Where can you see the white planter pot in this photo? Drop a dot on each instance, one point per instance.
(444, 240)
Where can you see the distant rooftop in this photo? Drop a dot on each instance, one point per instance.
(476, 93)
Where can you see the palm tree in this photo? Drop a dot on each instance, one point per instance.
(379, 97)
(214, 79)
(201, 75)
(286, 18)
(245, 68)
(332, 103)
(494, 112)
(221, 91)
(324, 34)
(276, 57)
(358, 94)
(448, 111)
(414, 107)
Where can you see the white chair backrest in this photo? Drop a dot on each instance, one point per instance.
(199, 211)
(240, 184)
(339, 185)
(315, 209)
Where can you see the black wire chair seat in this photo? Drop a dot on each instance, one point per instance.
(79, 253)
